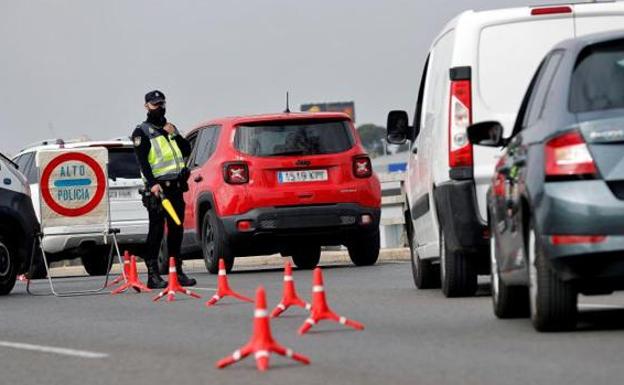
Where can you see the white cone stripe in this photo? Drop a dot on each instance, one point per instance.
(289, 353)
(261, 313)
(261, 354)
(342, 320)
(317, 289)
(222, 272)
(281, 306)
(310, 321)
(172, 270)
(288, 278)
(237, 355)
(216, 297)
(308, 306)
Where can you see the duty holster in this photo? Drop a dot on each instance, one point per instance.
(150, 201)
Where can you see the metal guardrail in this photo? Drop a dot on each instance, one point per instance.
(393, 195)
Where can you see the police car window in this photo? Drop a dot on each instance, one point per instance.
(122, 163)
(30, 168)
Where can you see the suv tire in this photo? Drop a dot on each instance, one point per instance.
(214, 245)
(457, 272)
(508, 301)
(306, 258)
(8, 265)
(553, 301)
(95, 261)
(364, 250)
(426, 274)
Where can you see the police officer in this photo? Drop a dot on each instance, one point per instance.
(160, 151)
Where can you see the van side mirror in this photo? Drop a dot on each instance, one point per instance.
(488, 134)
(398, 127)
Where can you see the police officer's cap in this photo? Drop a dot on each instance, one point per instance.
(154, 97)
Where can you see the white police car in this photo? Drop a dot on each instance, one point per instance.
(127, 211)
(18, 224)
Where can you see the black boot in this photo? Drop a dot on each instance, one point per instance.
(154, 281)
(183, 278)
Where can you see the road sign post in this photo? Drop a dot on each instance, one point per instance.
(74, 193)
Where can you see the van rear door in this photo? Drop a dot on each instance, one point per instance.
(509, 53)
(598, 17)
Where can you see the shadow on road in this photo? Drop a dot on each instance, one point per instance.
(601, 319)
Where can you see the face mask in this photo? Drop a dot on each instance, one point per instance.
(157, 114)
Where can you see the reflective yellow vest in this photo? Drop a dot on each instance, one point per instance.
(165, 157)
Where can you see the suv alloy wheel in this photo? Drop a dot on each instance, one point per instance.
(214, 245)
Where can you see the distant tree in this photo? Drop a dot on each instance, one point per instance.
(373, 138)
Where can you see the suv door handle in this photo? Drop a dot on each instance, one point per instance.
(198, 178)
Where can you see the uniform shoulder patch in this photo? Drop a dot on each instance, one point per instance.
(137, 141)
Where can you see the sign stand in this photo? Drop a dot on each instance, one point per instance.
(74, 186)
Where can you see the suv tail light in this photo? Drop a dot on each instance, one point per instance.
(362, 167)
(568, 155)
(236, 172)
(460, 117)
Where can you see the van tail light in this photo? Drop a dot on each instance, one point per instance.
(567, 155)
(560, 240)
(460, 117)
(550, 10)
(236, 172)
(362, 167)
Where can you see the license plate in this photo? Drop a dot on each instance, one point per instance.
(123, 194)
(302, 176)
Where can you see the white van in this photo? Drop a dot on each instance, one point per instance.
(478, 69)
(127, 211)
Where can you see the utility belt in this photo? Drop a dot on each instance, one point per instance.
(170, 187)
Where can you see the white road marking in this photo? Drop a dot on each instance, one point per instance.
(54, 350)
(205, 288)
(599, 306)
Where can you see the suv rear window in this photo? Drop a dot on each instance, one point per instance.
(122, 163)
(598, 78)
(293, 138)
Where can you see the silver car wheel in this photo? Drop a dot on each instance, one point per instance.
(532, 274)
(494, 267)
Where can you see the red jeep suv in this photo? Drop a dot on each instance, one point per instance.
(284, 183)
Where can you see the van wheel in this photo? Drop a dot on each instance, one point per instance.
(457, 272)
(553, 301)
(8, 265)
(307, 258)
(508, 301)
(364, 250)
(426, 275)
(95, 261)
(214, 245)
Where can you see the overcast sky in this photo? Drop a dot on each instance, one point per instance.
(82, 67)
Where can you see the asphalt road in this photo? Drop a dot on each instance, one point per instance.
(411, 337)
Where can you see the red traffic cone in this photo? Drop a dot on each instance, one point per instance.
(320, 309)
(261, 342)
(132, 279)
(290, 297)
(223, 288)
(174, 285)
(126, 270)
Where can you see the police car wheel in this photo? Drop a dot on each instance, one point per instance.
(8, 268)
(95, 261)
(214, 245)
